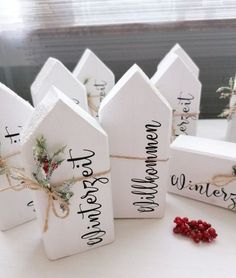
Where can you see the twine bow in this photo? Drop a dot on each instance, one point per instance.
(224, 179)
(8, 171)
(46, 164)
(25, 182)
(51, 192)
(52, 195)
(220, 180)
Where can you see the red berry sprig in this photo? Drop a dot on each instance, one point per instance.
(196, 230)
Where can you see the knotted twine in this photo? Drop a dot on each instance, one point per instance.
(26, 182)
(181, 114)
(7, 170)
(221, 180)
(91, 105)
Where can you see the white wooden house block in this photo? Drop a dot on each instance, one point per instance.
(137, 120)
(16, 207)
(231, 125)
(90, 221)
(97, 78)
(183, 92)
(204, 169)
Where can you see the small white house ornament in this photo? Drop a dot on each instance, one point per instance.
(137, 120)
(16, 206)
(69, 168)
(183, 92)
(97, 78)
(204, 169)
(229, 92)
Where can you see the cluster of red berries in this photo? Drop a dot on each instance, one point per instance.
(54, 165)
(196, 230)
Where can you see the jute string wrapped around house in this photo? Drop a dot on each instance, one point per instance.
(137, 158)
(182, 114)
(53, 190)
(92, 106)
(221, 180)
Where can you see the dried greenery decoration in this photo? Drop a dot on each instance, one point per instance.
(46, 164)
(226, 93)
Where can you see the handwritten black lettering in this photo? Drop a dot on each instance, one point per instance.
(31, 205)
(185, 118)
(85, 159)
(146, 189)
(13, 136)
(76, 101)
(90, 208)
(204, 189)
(101, 88)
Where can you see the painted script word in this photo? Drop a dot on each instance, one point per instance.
(146, 188)
(204, 189)
(91, 208)
(185, 118)
(14, 137)
(101, 88)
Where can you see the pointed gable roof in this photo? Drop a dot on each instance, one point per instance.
(48, 111)
(7, 95)
(14, 113)
(178, 50)
(91, 66)
(133, 103)
(54, 73)
(174, 78)
(134, 78)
